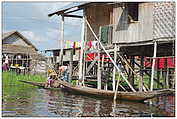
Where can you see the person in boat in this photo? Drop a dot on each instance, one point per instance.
(49, 81)
(64, 72)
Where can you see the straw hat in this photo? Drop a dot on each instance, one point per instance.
(52, 74)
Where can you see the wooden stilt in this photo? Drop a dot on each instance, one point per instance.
(141, 74)
(83, 75)
(82, 50)
(99, 70)
(71, 65)
(167, 78)
(132, 62)
(62, 41)
(117, 86)
(153, 65)
(114, 70)
(158, 73)
(166, 73)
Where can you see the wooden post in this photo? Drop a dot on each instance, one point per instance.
(83, 74)
(158, 73)
(117, 86)
(71, 66)
(141, 74)
(114, 70)
(166, 72)
(153, 65)
(82, 50)
(99, 68)
(132, 61)
(62, 40)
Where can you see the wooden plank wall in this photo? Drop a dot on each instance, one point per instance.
(126, 32)
(76, 57)
(98, 15)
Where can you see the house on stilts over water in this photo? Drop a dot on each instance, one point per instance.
(132, 43)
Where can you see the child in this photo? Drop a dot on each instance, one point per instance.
(49, 81)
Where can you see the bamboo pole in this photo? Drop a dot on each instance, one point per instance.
(84, 68)
(132, 60)
(117, 86)
(158, 73)
(62, 40)
(99, 71)
(82, 50)
(114, 70)
(71, 66)
(141, 75)
(153, 65)
(111, 58)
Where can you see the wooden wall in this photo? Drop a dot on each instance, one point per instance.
(127, 32)
(66, 56)
(98, 15)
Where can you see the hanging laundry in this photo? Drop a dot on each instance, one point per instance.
(73, 44)
(67, 44)
(94, 44)
(77, 44)
(90, 44)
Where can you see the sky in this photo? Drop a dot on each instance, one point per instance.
(31, 20)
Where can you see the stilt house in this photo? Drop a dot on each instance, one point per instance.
(126, 33)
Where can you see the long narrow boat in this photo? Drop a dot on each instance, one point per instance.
(131, 96)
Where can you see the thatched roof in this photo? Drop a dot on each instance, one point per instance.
(8, 34)
(15, 49)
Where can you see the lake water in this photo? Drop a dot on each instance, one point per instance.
(23, 100)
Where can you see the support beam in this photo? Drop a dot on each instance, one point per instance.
(141, 74)
(132, 63)
(153, 65)
(92, 64)
(74, 16)
(114, 70)
(71, 66)
(117, 86)
(62, 41)
(82, 51)
(111, 58)
(99, 69)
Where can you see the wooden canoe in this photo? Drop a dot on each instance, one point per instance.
(131, 96)
(38, 84)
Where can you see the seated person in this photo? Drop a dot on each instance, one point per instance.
(49, 81)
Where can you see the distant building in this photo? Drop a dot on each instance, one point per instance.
(54, 59)
(20, 51)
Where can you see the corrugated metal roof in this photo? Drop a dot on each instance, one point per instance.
(74, 5)
(68, 7)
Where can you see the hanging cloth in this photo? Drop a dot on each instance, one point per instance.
(94, 44)
(74, 45)
(90, 44)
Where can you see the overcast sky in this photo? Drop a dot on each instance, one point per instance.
(31, 19)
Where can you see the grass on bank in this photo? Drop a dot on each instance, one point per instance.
(12, 78)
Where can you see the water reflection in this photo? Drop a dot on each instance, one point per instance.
(40, 102)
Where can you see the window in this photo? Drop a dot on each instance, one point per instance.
(132, 11)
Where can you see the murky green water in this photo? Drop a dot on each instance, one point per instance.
(29, 101)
